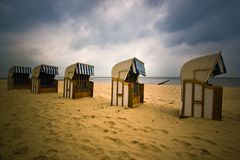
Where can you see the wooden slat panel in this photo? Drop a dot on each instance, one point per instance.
(197, 92)
(114, 93)
(208, 103)
(71, 89)
(37, 86)
(119, 94)
(64, 88)
(141, 89)
(125, 95)
(130, 95)
(188, 100)
(197, 110)
(217, 103)
(120, 101)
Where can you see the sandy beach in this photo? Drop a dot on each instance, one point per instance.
(50, 127)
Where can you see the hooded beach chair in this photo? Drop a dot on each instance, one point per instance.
(18, 77)
(126, 90)
(199, 98)
(43, 79)
(77, 82)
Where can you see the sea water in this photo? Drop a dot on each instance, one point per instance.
(218, 81)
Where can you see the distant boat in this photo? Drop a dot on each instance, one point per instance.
(163, 82)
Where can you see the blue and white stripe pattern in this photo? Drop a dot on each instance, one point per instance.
(139, 67)
(22, 70)
(84, 69)
(222, 65)
(49, 69)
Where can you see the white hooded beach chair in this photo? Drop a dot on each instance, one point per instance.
(43, 79)
(126, 90)
(199, 98)
(77, 82)
(18, 77)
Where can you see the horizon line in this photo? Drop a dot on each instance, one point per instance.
(3, 78)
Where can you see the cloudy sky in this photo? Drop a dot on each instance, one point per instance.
(162, 33)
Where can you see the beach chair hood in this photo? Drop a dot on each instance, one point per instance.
(202, 68)
(121, 69)
(44, 69)
(79, 68)
(19, 69)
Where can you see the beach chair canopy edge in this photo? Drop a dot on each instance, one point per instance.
(202, 68)
(44, 69)
(121, 69)
(79, 68)
(19, 69)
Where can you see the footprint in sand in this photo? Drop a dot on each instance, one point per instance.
(2, 145)
(127, 125)
(186, 144)
(121, 118)
(232, 148)
(17, 132)
(96, 127)
(146, 146)
(205, 140)
(110, 122)
(88, 148)
(86, 141)
(151, 129)
(165, 147)
(85, 117)
(163, 131)
(109, 131)
(68, 135)
(50, 138)
(118, 111)
(115, 140)
(77, 124)
(171, 102)
(144, 130)
(53, 131)
(7, 125)
(103, 156)
(187, 155)
(52, 154)
(41, 157)
(136, 129)
(120, 154)
(21, 150)
(76, 118)
(52, 151)
(204, 152)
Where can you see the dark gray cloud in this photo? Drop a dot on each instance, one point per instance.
(18, 15)
(24, 14)
(17, 57)
(194, 22)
